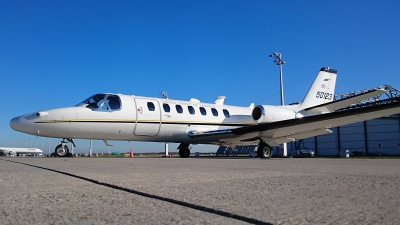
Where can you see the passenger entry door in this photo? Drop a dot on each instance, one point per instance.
(148, 117)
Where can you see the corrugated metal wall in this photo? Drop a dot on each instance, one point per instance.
(362, 137)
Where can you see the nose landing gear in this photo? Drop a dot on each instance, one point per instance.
(62, 149)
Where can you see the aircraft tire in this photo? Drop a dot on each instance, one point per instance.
(264, 152)
(60, 152)
(184, 153)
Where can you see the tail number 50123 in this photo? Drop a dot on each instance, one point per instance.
(324, 95)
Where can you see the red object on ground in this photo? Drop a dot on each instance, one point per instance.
(131, 153)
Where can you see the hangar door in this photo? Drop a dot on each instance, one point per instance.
(148, 117)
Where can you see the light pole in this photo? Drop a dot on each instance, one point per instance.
(279, 61)
(48, 140)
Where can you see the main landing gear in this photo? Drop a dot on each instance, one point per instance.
(264, 150)
(62, 149)
(184, 151)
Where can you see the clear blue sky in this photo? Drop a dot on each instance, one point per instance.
(57, 53)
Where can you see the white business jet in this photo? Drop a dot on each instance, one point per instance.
(110, 116)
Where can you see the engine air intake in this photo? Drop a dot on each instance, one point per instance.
(258, 112)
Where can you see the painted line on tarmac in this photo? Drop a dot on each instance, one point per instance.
(169, 200)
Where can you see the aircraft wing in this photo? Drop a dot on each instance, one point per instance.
(330, 106)
(287, 130)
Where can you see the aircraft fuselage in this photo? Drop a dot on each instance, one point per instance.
(136, 119)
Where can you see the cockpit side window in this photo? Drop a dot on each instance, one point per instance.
(114, 102)
(94, 101)
(103, 102)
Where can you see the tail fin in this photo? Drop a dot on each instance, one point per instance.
(322, 90)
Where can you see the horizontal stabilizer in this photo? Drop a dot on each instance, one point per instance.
(348, 101)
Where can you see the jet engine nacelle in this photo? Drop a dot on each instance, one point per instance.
(268, 113)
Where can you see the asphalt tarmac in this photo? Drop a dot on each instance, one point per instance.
(199, 191)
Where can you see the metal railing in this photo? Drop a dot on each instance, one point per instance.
(391, 95)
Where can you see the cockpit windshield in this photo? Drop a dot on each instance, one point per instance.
(103, 102)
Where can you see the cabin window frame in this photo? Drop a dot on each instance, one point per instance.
(203, 111)
(179, 109)
(151, 107)
(214, 112)
(191, 110)
(226, 113)
(166, 107)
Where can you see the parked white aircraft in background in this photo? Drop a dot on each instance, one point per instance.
(16, 151)
(134, 118)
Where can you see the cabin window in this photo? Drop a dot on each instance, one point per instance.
(191, 110)
(203, 111)
(214, 112)
(226, 113)
(151, 106)
(179, 109)
(166, 107)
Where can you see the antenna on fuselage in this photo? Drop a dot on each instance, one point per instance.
(164, 94)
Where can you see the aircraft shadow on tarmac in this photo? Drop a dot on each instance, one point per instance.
(143, 194)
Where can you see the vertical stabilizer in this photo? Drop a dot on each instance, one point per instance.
(322, 90)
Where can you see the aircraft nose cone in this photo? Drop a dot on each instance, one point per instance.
(22, 124)
(15, 123)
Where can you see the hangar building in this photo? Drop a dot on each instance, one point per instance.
(373, 137)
